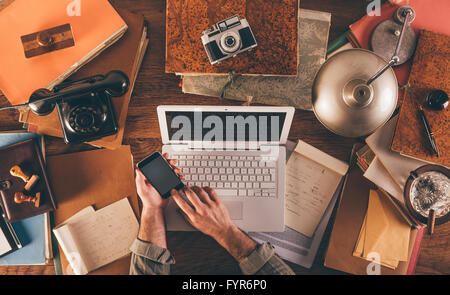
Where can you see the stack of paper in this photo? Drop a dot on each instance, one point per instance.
(313, 28)
(312, 177)
(378, 174)
(384, 235)
(292, 245)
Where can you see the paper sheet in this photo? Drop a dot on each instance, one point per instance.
(378, 174)
(4, 244)
(384, 232)
(91, 239)
(294, 246)
(312, 177)
(390, 263)
(398, 166)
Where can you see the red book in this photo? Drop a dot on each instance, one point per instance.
(430, 15)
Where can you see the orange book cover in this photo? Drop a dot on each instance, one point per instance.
(430, 15)
(95, 25)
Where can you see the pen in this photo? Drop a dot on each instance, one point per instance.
(428, 130)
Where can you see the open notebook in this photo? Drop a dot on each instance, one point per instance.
(91, 239)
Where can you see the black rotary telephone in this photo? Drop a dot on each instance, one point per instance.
(84, 106)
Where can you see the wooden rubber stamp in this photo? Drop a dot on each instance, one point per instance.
(30, 181)
(20, 197)
(49, 40)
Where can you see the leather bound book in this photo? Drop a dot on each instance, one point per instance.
(28, 157)
(430, 71)
(125, 55)
(273, 23)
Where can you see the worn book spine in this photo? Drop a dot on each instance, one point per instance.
(274, 90)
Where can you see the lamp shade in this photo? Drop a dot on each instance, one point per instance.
(344, 103)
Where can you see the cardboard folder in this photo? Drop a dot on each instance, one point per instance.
(125, 55)
(349, 220)
(97, 27)
(98, 178)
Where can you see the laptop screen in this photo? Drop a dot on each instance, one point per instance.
(224, 126)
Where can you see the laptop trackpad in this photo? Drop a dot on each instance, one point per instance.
(235, 208)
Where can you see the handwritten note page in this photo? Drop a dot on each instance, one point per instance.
(311, 180)
(4, 244)
(99, 237)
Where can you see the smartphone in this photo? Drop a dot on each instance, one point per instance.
(160, 174)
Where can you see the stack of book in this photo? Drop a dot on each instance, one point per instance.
(32, 235)
(373, 232)
(116, 41)
(291, 47)
(430, 15)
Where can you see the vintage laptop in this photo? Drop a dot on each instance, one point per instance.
(239, 151)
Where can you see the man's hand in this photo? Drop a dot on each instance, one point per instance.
(210, 216)
(149, 196)
(152, 228)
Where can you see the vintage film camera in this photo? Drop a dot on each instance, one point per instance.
(84, 107)
(228, 38)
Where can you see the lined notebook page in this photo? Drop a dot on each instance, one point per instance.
(102, 236)
(312, 177)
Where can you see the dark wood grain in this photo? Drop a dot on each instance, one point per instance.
(194, 252)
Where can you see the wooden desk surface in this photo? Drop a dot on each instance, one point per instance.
(194, 252)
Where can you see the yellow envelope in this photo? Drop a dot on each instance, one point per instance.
(384, 231)
(358, 252)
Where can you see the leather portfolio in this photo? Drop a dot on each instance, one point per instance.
(99, 178)
(347, 225)
(125, 55)
(430, 71)
(27, 155)
(273, 23)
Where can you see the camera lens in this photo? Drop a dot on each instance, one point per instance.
(230, 41)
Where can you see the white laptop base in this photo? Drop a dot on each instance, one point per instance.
(254, 204)
(249, 177)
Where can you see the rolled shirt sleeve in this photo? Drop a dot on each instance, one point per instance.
(149, 259)
(264, 261)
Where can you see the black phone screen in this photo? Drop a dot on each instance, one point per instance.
(159, 173)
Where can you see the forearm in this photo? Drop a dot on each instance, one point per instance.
(253, 258)
(150, 254)
(152, 228)
(238, 244)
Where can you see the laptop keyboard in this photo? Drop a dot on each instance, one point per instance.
(230, 176)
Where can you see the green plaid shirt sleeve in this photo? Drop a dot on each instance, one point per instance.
(149, 259)
(264, 261)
